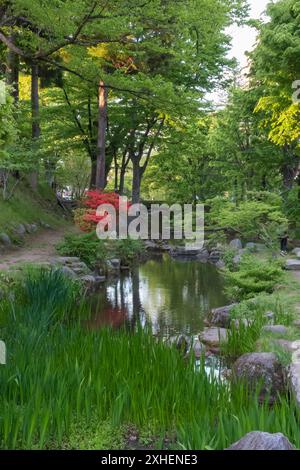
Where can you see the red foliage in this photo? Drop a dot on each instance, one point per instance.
(87, 219)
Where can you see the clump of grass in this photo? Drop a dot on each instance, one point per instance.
(59, 375)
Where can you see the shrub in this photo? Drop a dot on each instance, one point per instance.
(87, 218)
(128, 250)
(254, 276)
(259, 210)
(87, 247)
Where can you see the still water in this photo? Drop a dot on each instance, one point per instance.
(171, 296)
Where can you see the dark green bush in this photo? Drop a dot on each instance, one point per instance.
(254, 276)
(87, 247)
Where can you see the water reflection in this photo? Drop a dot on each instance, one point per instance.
(171, 296)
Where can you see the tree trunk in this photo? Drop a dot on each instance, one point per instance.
(35, 114)
(93, 171)
(122, 180)
(290, 168)
(13, 73)
(102, 125)
(136, 181)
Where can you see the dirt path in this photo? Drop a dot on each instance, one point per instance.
(38, 248)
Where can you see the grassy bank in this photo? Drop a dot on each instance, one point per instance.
(27, 207)
(65, 386)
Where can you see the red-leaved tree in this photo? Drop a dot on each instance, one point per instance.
(86, 218)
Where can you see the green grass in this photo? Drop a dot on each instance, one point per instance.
(27, 206)
(61, 376)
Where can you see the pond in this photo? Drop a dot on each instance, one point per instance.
(172, 296)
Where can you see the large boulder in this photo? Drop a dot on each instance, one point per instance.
(68, 272)
(236, 244)
(293, 265)
(296, 251)
(212, 337)
(262, 441)
(221, 316)
(260, 370)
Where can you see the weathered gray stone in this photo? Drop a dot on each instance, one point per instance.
(257, 440)
(88, 281)
(275, 329)
(212, 337)
(294, 371)
(68, 272)
(20, 230)
(236, 244)
(296, 251)
(221, 316)
(293, 265)
(64, 260)
(220, 264)
(4, 239)
(198, 348)
(114, 264)
(260, 369)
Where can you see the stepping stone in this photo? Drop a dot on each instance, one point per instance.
(293, 265)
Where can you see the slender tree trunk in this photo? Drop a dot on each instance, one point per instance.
(102, 126)
(116, 171)
(35, 114)
(12, 78)
(93, 171)
(122, 180)
(136, 181)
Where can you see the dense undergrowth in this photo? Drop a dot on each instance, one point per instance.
(60, 376)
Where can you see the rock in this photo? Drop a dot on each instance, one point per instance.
(64, 260)
(294, 371)
(275, 329)
(221, 316)
(220, 264)
(237, 259)
(31, 228)
(88, 281)
(293, 265)
(2, 353)
(183, 343)
(257, 440)
(80, 268)
(264, 368)
(203, 255)
(296, 251)
(236, 244)
(44, 225)
(20, 230)
(212, 337)
(198, 348)
(4, 239)
(114, 264)
(296, 323)
(285, 344)
(68, 272)
(214, 256)
(270, 316)
(150, 245)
